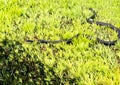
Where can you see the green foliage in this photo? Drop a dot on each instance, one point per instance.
(84, 62)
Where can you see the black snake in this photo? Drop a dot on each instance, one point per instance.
(89, 20)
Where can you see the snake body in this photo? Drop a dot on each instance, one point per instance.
(91, 20)
(67, 41)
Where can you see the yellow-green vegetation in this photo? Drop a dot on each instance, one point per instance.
(84, 62)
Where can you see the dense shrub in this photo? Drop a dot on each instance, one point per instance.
(84, 62)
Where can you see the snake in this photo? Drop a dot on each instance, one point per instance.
(89, 20)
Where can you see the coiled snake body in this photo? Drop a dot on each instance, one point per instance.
(91, 20)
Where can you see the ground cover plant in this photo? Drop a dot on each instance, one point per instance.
(83, 62)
